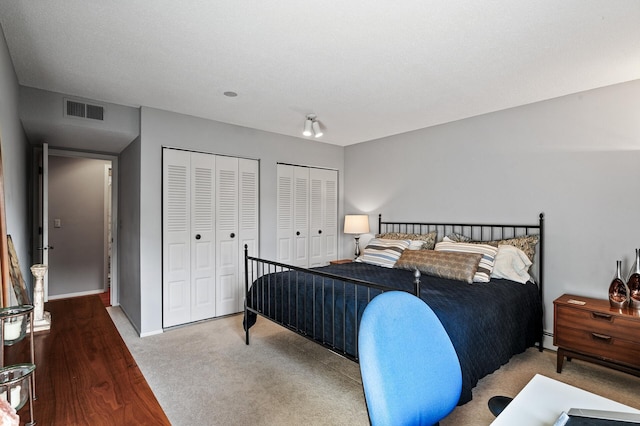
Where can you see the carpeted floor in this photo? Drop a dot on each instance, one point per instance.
(205, 374)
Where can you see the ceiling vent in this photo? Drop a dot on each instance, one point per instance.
(83, 110)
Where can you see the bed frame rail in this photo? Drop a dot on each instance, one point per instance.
(256, 268)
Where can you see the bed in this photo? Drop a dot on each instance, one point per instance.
(488, 322)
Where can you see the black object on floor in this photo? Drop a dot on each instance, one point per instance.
(498, 403)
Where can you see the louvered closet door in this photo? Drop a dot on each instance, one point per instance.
(176, 286)
(227, 235)
(323, 217)
(203, 268)
(301, 216)
(331, 215)
(284, 214)
(248, 217)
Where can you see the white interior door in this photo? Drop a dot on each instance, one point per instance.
(330, 215)
(227, 247)
(284, 219)
(248, 217)
(323, 214)
(202, 236)
(316, 218)
(176, 282)
(301, 216)
(45, 216)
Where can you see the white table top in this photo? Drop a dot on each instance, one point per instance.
(543, 399)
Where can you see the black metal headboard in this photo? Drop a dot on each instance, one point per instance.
(478, 232)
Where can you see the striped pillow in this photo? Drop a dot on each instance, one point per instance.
(383, 252)
(483, 274)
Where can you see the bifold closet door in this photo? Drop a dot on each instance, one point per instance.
(323, 216)
(249, 217)
(210, 211)
(188, 237)
(293, 215)
(236, 225)
(307, 215)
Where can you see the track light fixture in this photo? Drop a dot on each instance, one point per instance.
(312, 126)
(317, 132)
(308, 123)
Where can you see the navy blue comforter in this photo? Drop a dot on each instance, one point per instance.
(488, 323)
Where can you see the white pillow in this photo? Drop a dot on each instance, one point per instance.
(383, 252)
(415, 245)
(486, 263)
(511, 263)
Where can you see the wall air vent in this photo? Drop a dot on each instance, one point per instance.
(83, 110)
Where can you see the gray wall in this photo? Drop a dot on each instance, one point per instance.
(77, 199)
(15, 152)
(129, 232)
(42, 115)
(162, 128)
(575, 158)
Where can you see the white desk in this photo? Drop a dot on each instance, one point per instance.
(543, 399)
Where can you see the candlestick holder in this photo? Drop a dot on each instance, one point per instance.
(42, 319)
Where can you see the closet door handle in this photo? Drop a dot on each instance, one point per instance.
(232, 235)
(298, 233)
(198, 236)
(319, 231)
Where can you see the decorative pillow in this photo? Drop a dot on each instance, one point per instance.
(487, 251)
(429, 239)
(454, 266)
(415, 245)
(383, 252)
(511, 263)
(458, 238)
(526, 243)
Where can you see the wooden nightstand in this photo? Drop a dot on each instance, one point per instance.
(596, 332)
(340, 261)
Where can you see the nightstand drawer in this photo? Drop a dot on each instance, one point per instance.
(598, 322)
(601, 345)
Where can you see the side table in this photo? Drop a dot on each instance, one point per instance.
(591, 330)
(340, 261)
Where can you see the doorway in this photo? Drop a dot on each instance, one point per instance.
(80, 231)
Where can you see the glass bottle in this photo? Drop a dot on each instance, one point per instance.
(634, 283)
(618, 290)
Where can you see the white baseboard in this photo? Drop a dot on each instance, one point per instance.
(81, 293)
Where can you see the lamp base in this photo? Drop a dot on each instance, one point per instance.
(357, 247)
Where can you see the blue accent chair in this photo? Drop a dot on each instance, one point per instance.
(410, 370)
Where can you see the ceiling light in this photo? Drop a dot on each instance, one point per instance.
(317, 132)
(312, 126)
(307, 126)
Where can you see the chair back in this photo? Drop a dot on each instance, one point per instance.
(410, 370)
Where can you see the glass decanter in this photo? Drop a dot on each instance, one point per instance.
(634, 283)
(618, 290)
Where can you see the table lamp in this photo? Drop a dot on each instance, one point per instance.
(356, 224)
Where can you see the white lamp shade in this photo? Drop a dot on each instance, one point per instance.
(316, 129)
(307, 127)
(356, 224)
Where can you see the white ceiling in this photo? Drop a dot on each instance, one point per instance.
(368, 69)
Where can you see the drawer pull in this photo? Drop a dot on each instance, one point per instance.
(599, 315)
(598, 336)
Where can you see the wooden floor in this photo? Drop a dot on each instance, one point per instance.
(85, 374)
